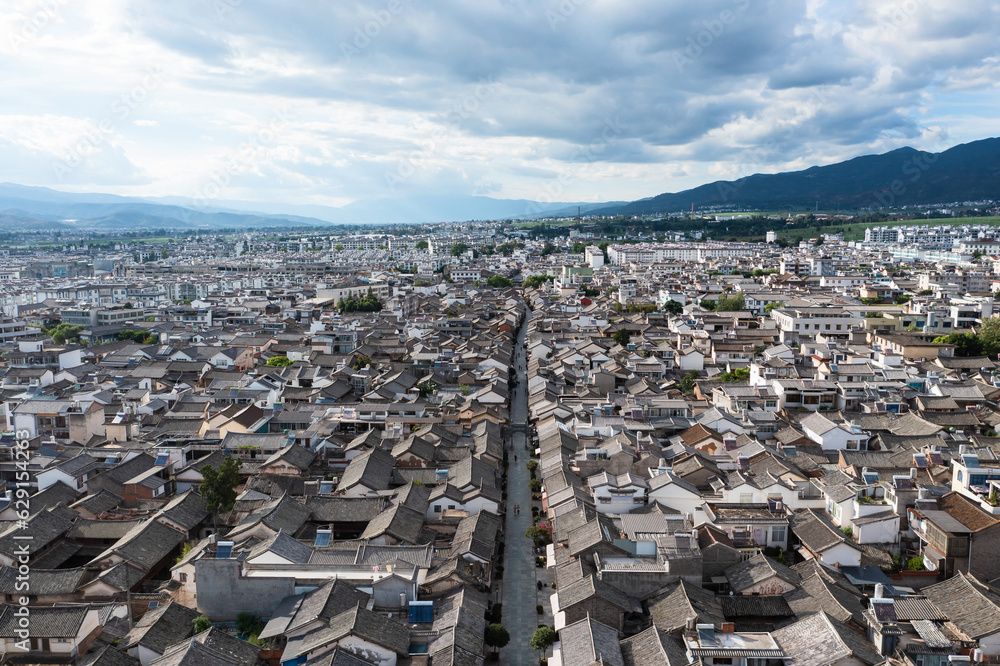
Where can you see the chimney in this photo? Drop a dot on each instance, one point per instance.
(728, 627)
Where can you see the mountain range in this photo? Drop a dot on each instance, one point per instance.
(903, 177)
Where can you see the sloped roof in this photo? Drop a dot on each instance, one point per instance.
(969, 604)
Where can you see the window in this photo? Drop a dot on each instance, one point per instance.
(778, 534)
(437, 508)
(451, 506)
(746, 498)
(183, 577)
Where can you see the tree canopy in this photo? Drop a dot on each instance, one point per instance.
(536, 281)
(63, 333)
(673, 307)
(278, 362)
(218, 487)
(621, 337)
(458, 249)
(496, 636)
(370, 303)
(499, 281)
(543, 638)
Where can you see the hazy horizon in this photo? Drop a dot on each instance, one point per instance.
(570, 101)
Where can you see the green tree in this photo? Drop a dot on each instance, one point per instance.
(686, 384)
(989, 333)
(421, 245)
(730, 303)
(621, 337)
(966, 344)
(770, 307)
(496, 636)
(201, 623)
(362, 361)
(369, 303)
(278, 362)
(673, 307)
(249, 624)
(543, 638)
(499, 282)
(338, 247)
(539, 533)
(536, 281)
(458, 249)
(737, 375)
(218, 487)
(63, 333)
(578, 247)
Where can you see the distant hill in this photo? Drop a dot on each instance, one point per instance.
(43, 208)
(903, 177)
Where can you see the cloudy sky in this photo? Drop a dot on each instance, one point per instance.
(553, 100)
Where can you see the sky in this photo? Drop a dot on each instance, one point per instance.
(549, 100)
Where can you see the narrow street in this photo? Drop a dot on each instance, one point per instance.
(519, 582)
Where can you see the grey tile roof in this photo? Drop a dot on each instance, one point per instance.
(46, 621)
(372, 469)
(293, 454)
(284, 546)
(590, 587)
(362, 623)
(57, 492)
(97, 503)
(653, 648)
(85, 528)
(344, 509)
(162, 627)
(209, 648)
(44, 527)
(816, 532)
(283, 514)
(41, 581)
(587, 641)
(970, 605)
(819, 640)
(742, 605)
(187, 510)
(671, 610)
(399, 522)
(145, 545)
(108, 656)
(816, 593)
(758, 569)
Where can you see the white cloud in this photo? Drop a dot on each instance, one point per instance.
(490, 97)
